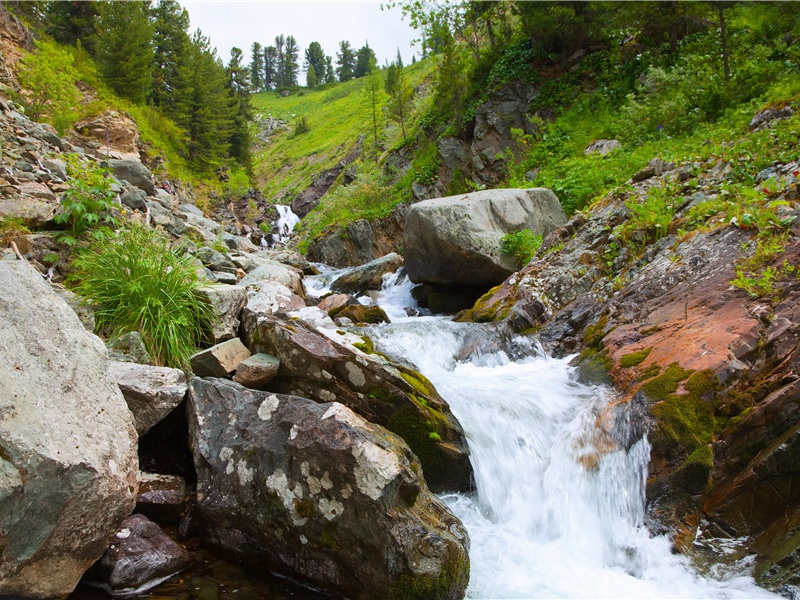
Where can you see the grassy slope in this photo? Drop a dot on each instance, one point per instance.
(337, 115)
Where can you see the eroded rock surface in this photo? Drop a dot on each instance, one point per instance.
(316, 492)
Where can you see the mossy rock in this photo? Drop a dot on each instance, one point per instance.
(594, 367)
(634, 358)
(486, 311)
(358, 313)
(427, 587)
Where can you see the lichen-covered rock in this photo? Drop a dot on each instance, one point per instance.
(151, 392)
(226, 302)
(458, 240)
(317, 493)
(140, 557)
(327, 365)
(369, 276)
(220, 360)
(334, 303)
(68, 460)
(272, 272)
(360, 314)
(257, 370)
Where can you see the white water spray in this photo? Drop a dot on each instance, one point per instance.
(558, 511)
(286, 221)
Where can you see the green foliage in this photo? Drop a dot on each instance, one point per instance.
(87, 204)
(49, 76)
(139, 284)
(301, 125)
(652, 216)
(10, 228)
(425, 167)
(522, 244)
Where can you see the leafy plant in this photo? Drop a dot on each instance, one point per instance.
(301, 125)
(11, 228)
(139, 284)
(523, 244)
(87, 203)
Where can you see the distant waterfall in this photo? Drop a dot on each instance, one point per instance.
(286, 221)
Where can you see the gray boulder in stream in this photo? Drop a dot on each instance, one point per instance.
(68, 463)
(315, 492)
(327, 365)
(458, 240)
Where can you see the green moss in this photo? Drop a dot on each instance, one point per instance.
(415, 427)
(454, 573)
(328, 541)
(650, 371)
(418, 381)
(485, 311)
(304, 508)
(434, 436)
(634, 358)
(595, 366)
(594, 334)
(380, 393)
(660, 387)
(367, 347)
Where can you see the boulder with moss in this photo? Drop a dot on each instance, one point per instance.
(315, 492)
(318, 361)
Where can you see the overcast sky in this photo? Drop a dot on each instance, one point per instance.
(237, 23)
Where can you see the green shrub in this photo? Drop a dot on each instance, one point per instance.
(301, 125)
(87, 203)
(522, 244)
(139, 284)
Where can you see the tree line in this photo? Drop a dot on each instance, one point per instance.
(145, 54)
(276, 67)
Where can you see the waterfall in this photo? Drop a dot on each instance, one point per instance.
(286, 221)
(558, 509)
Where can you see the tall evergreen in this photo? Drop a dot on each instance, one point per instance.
(280, 58)
(400, 93)
(311, 77)
(170, 54)
(330, 75)
(239, 86)
(364, 58)
(270, 67)
(68, 22)
(315, 56)
(125, 49)
(256, 67)
(345, 61)
(290, 65)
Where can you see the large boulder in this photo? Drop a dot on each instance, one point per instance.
(315, 492)
(226, 302)
(135, 173)
(323, 363)
(114, 131)
(151, 392)
(457, 240)
(68, 462)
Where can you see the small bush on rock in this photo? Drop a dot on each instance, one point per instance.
(139, 284)
(522, 244)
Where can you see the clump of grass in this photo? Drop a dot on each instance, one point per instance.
(523, 244)
(10, 228)
(139, 284)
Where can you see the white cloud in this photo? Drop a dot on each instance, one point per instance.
(240, 23)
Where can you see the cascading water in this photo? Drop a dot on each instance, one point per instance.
(286, 221)
(558, 510)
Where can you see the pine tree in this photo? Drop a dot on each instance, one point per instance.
(315, 56)
(330, 76)
(270, 67)
(400, 93)
(170, 53)
(311, 76)
(256, 67)
(345, 61)
(125, 50)
(280, 59)
(399, 59)
(371, 92)
(69, 22)
(364, 58)
(290, 64)
(239, 86)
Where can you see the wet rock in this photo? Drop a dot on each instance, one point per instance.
(220, 360)
(140, 557)
(317, 493)
(457, 240)
(161, 498)
(68, 442)
(326, 365)
(334, 303)
(256, 371)
(360, 314)
(226, 302)
(151, 392)
(367, 277)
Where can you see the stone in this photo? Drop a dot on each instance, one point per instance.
(269, 271)
(268, 298)
(320, 362)
(129, 348)
(34, 212)
(151, 392)
(135, 173)
(257, 370)
(84, 311)
(140, 557)
(214, 260)
(220, 360)
(766, 117)
(334, 303)
(358, 280)
(360, 314)
(320, 495)
(226, 302)
(654, 168)
(134, 198)
(602, 147)
(68, 466)
(112, 130)
(57, 169)
(457, 240)
(161, 498)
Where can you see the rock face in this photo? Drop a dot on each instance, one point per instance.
(457, 240)
(226, 302)
(220, 360)
(140, 557)
(110, 128)
(151, 392)
(325, 365)
(68, 463)
(316, 492)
